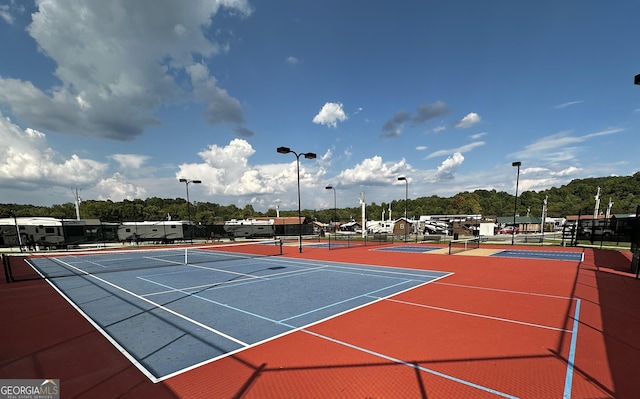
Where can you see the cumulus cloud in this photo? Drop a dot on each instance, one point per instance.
(330, 115)
(118, 188)
(372, 171)
(469, 120)
(117, 63)
(226, 171)
(26, 158)
(447, 170)
(129, 161)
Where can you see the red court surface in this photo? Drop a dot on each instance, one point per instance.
(497, 327)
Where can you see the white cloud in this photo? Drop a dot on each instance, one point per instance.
(567, 104)
(7, 11)
(118, 188)
(469, 120)
(572, 170)
(561, 146)
(421, 147)
(373, 171)
(330, 115)
(464, 148)
(130, 161)
(227, 172)
(478, 135)
(117, 63)
(438, 129)
(26, 158)
(447, 170)
(292, 60)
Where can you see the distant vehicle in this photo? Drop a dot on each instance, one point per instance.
(509, 230)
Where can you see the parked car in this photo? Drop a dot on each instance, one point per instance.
(509, 230)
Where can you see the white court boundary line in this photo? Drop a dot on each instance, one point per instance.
(244, 345)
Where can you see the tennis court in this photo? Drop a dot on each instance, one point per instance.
(407, 248)
(387, 322)
(170, 310)
(470, 247)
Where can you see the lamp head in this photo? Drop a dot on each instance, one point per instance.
(310, 155)
(402, 178)
(517, 163)
(283, 150)
(196, 181)
(329, 187)
(183, 180)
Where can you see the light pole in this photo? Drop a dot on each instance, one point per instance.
(308, 155)
(406, 196)
(335, 208)
(186, 183)
(515, 206)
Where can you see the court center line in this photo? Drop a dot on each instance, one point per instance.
(302, 328)
(365, 295)
(230, 284)
(479, 315)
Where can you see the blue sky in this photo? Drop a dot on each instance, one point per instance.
(120, 99)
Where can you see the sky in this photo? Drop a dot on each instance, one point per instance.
(120, 99)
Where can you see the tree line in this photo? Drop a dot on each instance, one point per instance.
(571, 199)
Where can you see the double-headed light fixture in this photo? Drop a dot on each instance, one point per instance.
(307, 155)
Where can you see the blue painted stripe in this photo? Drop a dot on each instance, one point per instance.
(568, 381)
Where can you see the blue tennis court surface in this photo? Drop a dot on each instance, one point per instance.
(172, 318)
(530, 254)
(407, 248)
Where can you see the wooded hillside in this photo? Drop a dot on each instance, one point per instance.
(577, 196)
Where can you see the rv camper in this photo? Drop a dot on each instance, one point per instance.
(161, 231)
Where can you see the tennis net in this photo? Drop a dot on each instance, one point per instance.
(53, 265)
(457, 246)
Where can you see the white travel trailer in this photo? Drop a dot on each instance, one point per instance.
(380, 226)
(250, 228)
(44, 232)
(160, 231)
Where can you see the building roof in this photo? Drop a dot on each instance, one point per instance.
(519, 219)
(285, 220)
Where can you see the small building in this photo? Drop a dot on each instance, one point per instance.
(403, 227)
(526, 224)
